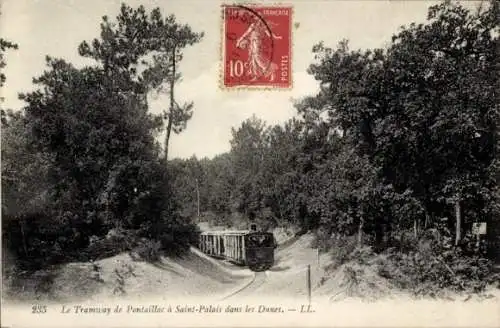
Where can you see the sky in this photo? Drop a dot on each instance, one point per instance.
(57, 27)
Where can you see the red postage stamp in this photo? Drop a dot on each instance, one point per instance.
(257, 46)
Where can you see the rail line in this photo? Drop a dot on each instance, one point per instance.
(258, 280)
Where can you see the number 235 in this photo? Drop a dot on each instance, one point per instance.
(37, 309)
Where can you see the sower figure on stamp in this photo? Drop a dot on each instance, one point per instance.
(252, 39)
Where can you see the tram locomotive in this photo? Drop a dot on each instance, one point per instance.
(251, 248)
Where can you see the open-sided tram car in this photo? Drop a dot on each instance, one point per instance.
(251, 248)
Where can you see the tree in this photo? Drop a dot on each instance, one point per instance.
(429, 145)
(4, 46)
(189, 176)
(25, 181)
(97, 139)
(248, 148)
(146, 50)
(221, 181)
(281, 171)
(95, 143)
(449, 133)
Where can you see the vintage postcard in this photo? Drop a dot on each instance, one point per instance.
(206, 163)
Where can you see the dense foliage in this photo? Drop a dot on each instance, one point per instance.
(81, 161)
(397, 142)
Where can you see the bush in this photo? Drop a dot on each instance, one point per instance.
(343, 248)
(174, 233)
(177, 240)
(433, 270)
(149, 250)
(123, 273)
(427, 266)
(113, 243)
(39, 240)
(405, 242)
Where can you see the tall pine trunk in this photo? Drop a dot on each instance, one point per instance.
(25, 248)
(458, 221)
(360, 231)
(172, 104)
(197, 199)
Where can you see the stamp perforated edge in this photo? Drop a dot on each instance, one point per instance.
(222, 50)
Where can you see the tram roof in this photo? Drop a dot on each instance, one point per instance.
(226, 232)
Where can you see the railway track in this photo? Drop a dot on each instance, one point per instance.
(258, 280)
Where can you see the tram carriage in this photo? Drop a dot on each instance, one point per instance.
(251, 248)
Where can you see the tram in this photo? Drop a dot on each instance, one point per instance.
(251, 248)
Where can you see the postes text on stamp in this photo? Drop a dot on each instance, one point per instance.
(257, 46)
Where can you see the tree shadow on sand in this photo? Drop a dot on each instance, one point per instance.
(167, 267)
(279, 268)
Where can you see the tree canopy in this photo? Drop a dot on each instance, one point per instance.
(400, 138)
(82, 157)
